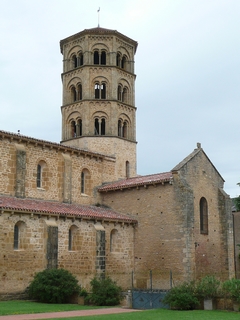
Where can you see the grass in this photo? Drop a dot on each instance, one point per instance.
(24, 307)
(164, 314)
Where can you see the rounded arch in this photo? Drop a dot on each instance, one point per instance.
(100, 85)
(203, 208)
(73, 238)
(19, 235)
(114, 243)
(124, 126)
(85, 181)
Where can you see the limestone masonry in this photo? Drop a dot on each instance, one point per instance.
(80, 204)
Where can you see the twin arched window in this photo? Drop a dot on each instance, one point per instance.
(203, 216)
(122, 128)
(76, 128)
(121, 61)
(99, 57)
(77, 60)
(123, 94)
(99, 126)
(76, 93)
(100, 90)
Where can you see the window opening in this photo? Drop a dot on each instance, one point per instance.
(119, 93)
(79, 92)
(75, 61)
(73, 129)
(203, 216)
(123, 65)
(74, 94)
(124, 95)
(118, 60)
(103, 91)
(82, 182)
(16, 237)
(39, 176)
(127, 169)
(119, 128)
(80, 59)
(124, 130)
(103, 57)
(70, 239)
(96, 57)
(97, 91)
(79, 127)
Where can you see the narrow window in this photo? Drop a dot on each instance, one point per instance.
(73, 94)
(103, 58)
(73, 129)
(96, 57)
(70, 239)
(97, 91)
(123, 62)
(119, 93)
(79, 92)
(80, 59)
(103, 91)
(96, 127)
(119, 128)
(79, 127)
(103, 127)
(39, 176)
(203, 216)
(16, 237)
(127, 169)
(82, 182)
(113, 240)
(124, 95)
(124, 130)
(118, 60)
(74, 61)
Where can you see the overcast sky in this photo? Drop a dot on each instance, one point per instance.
(187, 65)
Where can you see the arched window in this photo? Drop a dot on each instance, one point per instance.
(203, 216)
(118, 60)
(120, 93)
(74, 61)
(79, 92)
(123, 64)
(99, 126)
(79, 127)
(124, 95)
(19, 235)
(103, 57)
(80, 59)
(73, 94)
(100, 90)
(85, 182)
(114, 240)
(72, 238)
(96, 57)
(39, 176)
(127, 169)
(73, 129)
(122, 128)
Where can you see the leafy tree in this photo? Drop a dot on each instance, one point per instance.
(53, 286)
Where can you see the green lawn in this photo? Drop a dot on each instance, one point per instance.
(163, 314)
(21, 307)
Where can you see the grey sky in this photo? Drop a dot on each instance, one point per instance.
(187, 66)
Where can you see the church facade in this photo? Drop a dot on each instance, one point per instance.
(80, 204)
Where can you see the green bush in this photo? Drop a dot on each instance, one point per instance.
(53, 286)
(231, 289)
(104, 292)
(208, 287)
(182, 297)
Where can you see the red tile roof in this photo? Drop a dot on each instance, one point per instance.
(63, 209)
(137, 181)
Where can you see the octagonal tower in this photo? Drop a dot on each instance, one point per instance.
(98, 109)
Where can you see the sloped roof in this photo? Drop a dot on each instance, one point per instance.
(101, 31)
(137, 181)
(190, 157)
(63, 209)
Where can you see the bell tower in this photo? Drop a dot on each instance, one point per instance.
(98, 107)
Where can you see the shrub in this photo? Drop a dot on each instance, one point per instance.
(208, 287)
(104, 292)
(53, 286)
(182, 297)
(231, 289)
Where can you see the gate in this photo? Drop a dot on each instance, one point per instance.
(148, 299)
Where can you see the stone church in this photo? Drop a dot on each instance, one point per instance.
(80, 204)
